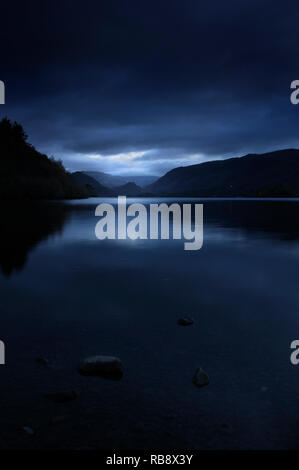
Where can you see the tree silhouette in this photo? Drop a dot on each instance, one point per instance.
(25, 173)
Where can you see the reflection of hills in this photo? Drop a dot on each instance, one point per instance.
(26, 224)
(23, 226)
(278, 219)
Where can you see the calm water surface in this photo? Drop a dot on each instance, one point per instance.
(66, 295)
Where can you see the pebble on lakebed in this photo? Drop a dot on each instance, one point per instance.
(109, 367)
(28, 430)
(42, 361)
(201, 378)
(185, 321)
(57, 419)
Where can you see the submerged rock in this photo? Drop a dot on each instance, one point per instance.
(42, 361)
(185, 321)
(28, 430)
(224, 425)
(104, 366)
(201, 378)
(61, 397)
(57, 419)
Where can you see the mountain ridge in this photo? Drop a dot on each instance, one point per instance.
(269, 174)
(129, 189)
(112, 181)
(97, 189)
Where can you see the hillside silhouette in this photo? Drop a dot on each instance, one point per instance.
(96, 188)
(129, 189)
(273, 174)
(112, 181)
(26, 173)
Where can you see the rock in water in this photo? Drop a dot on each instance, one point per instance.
(28, 430)
(104, 366)
(42, 361)
(201, 378)
(61, 397)
(185, 321)
(57, 419)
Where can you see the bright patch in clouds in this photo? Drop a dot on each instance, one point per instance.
(151, 162)
(119, 157)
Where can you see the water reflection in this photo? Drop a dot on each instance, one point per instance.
(272, 218)
(78, 297)
(24, 226)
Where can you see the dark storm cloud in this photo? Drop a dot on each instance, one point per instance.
(179, 81)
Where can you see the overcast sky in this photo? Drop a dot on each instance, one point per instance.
(144, 86)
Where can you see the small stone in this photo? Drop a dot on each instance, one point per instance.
(28, 430)
(61, 397)
(42, 361)
(57, 419)
(104, 366)
(185, 321)
(201, 378)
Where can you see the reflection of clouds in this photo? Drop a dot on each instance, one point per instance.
(82, 229)
(221, 234)
(233, 222)
(104, 219)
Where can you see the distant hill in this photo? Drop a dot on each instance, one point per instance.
(25, 173)
(96, 188)
(128, 189)
(111, 181)
(274, 174)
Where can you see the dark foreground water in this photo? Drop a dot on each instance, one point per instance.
(66, 295)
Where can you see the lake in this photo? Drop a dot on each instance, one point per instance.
(66, 295)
